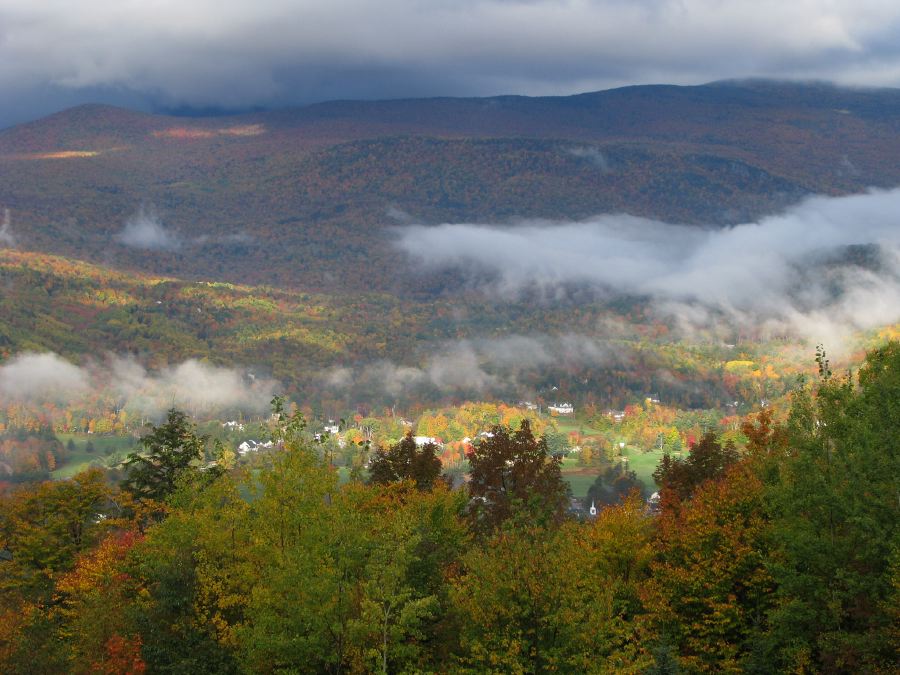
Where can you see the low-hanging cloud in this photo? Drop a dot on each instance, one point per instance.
(193, 385)
(593, 155)
(31, 377)
(146, 231)
(790, 271)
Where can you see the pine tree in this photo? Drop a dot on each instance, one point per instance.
(168, 450)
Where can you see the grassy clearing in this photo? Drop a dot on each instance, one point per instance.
(75, 463)
(80, 459)
(580, 477)
(568, 424)
(643, 464)
(579, 483)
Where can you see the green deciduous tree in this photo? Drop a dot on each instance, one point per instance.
(45, 526)
(535, 600)
(835, 506)
(406, 461)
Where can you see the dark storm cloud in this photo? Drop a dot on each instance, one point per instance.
(200, 53)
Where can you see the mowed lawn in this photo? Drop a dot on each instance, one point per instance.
(580, 477)
(80, 459)
(567, 425)
(643, 464)
(579, 483)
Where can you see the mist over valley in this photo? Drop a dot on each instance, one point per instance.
(435, 250)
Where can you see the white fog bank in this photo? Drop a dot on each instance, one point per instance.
(789, 271)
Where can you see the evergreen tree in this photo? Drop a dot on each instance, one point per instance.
(168, 451)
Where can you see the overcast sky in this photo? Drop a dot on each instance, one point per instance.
(261, 53)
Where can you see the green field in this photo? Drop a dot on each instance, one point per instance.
(80, 459)
(569, 424)
(643, 464)
(579, 483)
(580, 478)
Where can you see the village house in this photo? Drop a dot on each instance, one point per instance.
(253, 446)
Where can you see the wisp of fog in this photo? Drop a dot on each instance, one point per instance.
(479, 366)
(146, 231)
(6, 234)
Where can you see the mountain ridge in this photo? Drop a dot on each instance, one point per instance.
(307, 197)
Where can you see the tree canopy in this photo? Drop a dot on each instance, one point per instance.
(707, 460)
(783, 557)
(406, 461)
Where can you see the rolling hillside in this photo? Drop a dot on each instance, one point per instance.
(371, 348)
(307, 198)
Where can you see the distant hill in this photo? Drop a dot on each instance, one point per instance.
(305, 198)
(84, 312)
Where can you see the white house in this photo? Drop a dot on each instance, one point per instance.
(253, 446)
(561, 408)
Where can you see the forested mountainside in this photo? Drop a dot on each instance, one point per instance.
(307, 198)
